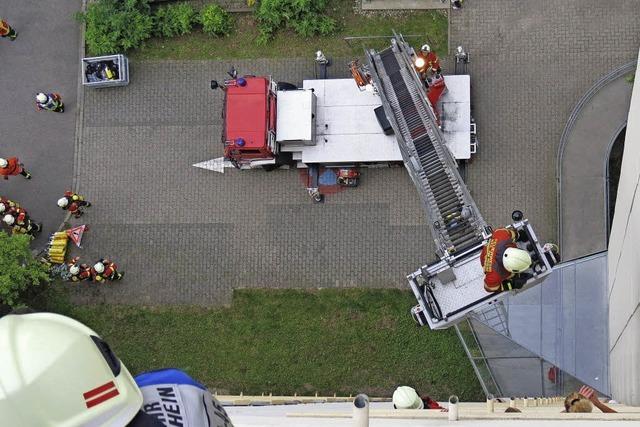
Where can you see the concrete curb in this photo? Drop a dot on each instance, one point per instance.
(573, 117)
(79, 108)
(79, 123)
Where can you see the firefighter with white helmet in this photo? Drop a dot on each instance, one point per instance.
(516, 260)
(78, 272)
(49, 102)
(77, 381)
(504, 264)
(57, 372)
(9, 219)
(104, 270)
(405, 397)
(8, 206)
(427, 63)
(11, 166)
(20, 223)
(73, 202)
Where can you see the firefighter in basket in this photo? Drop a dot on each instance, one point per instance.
(503, 262)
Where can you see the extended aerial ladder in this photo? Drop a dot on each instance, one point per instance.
(449, 289)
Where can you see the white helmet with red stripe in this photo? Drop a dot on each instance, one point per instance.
(54, 371)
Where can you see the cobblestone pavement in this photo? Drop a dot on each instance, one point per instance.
(186, 235)
(531, 63)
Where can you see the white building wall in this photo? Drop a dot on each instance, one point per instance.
(624, 268)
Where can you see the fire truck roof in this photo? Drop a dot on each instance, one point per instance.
(246, 114)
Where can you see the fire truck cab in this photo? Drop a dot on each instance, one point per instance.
(250, 110)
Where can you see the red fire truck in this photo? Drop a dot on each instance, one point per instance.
(334, 123)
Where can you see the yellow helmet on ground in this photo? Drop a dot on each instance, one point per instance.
(406, 397)
(516, 260)
(54, 371)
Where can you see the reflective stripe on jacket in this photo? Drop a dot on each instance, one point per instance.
(491, 258)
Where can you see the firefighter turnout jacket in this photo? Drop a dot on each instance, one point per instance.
(110, 271)
(5, 29)
(10, 207)
(83, 274)
(496, 277)
(13, 168)
(431, 62)
(74, 201)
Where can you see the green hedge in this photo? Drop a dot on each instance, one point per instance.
(215, 20)
(174, 20)
(305, 17)
(116, 25)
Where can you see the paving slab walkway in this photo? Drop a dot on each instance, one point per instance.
(404, 4)
(44, 57)
(187, 235)
(530, 64)
(583, 164)
(190, 236)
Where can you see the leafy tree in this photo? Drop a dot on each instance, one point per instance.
(116, 25)
(305, 17)
(174, 20)
(215, 20)
(19, 271)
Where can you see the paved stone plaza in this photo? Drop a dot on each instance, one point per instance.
(43, 141)
(189, 236)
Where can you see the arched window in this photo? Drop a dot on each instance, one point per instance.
(614, 164)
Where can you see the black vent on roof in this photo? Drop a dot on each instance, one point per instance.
(109, 357)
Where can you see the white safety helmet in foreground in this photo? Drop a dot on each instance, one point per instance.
(425, 48)
(3, 163)
(2, 207)
(516, 260)
(74, 269)
(41, 98)
(406, 397)
(54, 371)
(98, 267)
(63, 202)
(9, 219)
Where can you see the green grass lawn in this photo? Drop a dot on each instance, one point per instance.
(288, 341)
(241, 43)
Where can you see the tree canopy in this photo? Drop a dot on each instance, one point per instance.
(19, 271)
